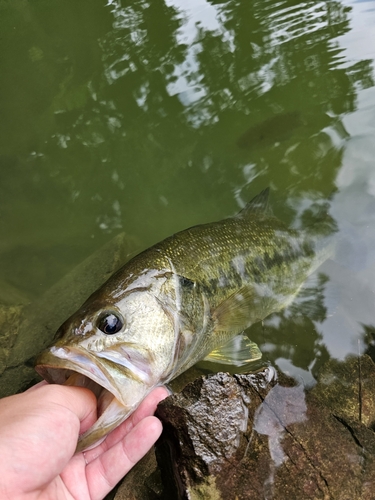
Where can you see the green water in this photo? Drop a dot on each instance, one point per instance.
(149, 117)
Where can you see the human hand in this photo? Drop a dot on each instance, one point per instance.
(38, 436)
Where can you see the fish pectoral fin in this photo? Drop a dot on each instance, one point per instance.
(239, 351)
(236, 312)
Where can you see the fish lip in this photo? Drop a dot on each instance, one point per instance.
(55, 363)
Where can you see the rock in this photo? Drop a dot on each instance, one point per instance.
(18, 378)
(12, 303)
(10, 295)
(262, 436)
(10, 317)
(26, 329)
(143, 482)
(348, 389)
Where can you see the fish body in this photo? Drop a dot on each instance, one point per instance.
(277, 128)
(176, 303)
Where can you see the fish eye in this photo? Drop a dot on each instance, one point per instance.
(110, 323)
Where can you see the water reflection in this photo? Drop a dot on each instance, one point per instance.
(282, 407)
(179, 93)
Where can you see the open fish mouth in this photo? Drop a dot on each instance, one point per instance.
(103, 396)
(111, 411)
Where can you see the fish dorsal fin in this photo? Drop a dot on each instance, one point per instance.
(258, 205)
(238, 351)
(235, 313)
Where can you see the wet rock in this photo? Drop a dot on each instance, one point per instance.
(348, 389)
(12, 303)
(25, 329)
(9, 322)
(10, 295)
(261, 436)
(143, 482)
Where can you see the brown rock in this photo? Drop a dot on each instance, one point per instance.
(143, 482)
(250, 437)
(348, 388)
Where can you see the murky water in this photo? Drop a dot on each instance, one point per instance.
(149, 117)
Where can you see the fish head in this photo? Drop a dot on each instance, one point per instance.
(120, 344)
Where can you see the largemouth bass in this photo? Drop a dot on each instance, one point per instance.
(185, 299)
(275, 129)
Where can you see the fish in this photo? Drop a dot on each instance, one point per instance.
(277, 128)
(187, 298)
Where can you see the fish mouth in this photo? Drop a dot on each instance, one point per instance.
(60, 365)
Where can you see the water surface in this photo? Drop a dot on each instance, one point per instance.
(149, 117)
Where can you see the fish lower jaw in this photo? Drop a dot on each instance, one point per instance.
(114, 414)
(110, 410)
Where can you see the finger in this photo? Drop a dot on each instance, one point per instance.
(145, 409)
(149, 404)
(79, 401)
(105, 472)
(36, 386)
(83, 403)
